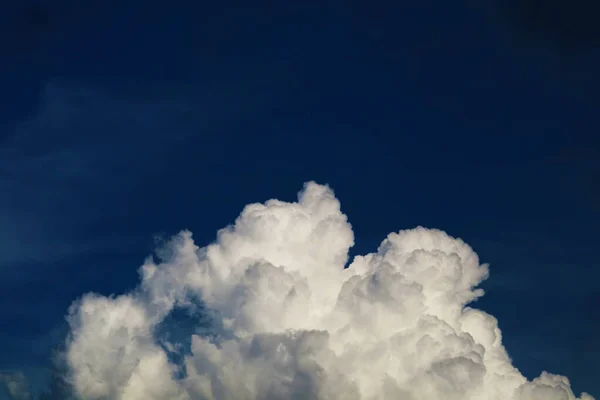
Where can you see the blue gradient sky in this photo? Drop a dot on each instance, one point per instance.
(120, 123)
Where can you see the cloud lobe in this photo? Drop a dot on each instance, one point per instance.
(288, 321)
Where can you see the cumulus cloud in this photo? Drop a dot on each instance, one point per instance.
(287, 320)
(16, 385)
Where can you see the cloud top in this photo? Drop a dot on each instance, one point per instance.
(288, 321)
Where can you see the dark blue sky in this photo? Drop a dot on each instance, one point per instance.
(127, 120)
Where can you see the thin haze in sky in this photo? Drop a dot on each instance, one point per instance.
(132, 135)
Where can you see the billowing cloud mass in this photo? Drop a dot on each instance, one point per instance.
(288, 321)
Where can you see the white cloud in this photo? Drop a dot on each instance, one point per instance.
(292, 323)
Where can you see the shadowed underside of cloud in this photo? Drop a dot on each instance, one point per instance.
(74, 181)
(288, 321)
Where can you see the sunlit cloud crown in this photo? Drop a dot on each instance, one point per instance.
(288, 321)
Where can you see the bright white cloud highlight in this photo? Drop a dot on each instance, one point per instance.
(289, 322)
